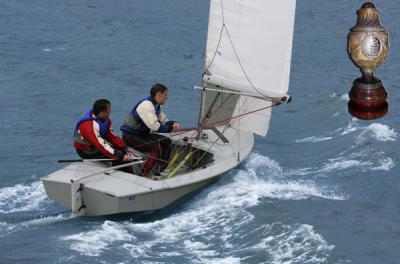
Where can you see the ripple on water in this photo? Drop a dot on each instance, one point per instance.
(217, 217)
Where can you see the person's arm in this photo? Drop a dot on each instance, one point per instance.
(90, 131)
(147, 113)
(115, 140)
(162, 117)
(164, 120)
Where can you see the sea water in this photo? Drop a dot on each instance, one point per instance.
(322, 187)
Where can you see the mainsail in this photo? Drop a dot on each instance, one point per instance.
(248, 53)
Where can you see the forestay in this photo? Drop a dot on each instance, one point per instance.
(249, 46)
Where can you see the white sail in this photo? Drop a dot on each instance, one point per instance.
(258, 121)
(249, 45)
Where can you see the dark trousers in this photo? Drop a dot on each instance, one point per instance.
(156, 145)
(95, 154)
(92, 154)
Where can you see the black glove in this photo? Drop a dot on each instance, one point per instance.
(120, 154)
(169, 124)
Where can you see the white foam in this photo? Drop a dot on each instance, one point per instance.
(50, 50)
(351, 127)
(263, 165)
(295, 190)
(20, 198)
(228, 260)
(378, 131)
(272, 183)
(8, 228)
(345, 97)
(313, 139)
(93, 243)
(335, 164)
(386, 164)
(365, 160)
(45, 220)
(200, 249)
(217, 216)
(297, 244)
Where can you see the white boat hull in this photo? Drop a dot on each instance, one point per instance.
(120, 192)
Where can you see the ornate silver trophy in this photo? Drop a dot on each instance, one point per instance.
(368, 47)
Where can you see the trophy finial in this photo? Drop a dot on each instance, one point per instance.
(368, 5)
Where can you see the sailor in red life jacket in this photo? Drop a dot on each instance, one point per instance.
(145, 118)
(93, 137)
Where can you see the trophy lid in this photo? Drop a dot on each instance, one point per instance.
(368, 19)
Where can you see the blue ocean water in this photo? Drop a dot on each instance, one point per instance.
(322, 187)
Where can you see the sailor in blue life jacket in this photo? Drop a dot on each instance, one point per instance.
(145, 118)
(94, 138)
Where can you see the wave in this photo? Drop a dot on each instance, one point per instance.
(217, 216)
(54, 49)
(313, 139)
(335, 164)
(6, 229)
(342, 97)
(295, 245)
(365, 160)
(93, 243)
(9, 228)
(377, 131)
(45, 220)
(20, 198)
(386, 164)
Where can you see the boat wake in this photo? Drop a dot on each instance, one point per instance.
(217, 227)
(21, 198)
(7, 229)
(313, 139)
(359, 155)
(374, 131)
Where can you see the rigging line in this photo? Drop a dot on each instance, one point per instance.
(240, 115)
(209, 112)
(240, 63)
(149, 142)
(184, 131)
(219, 107)
(201, 126)
(160, 140)
(212, 145)
(215, 53)
(227, 119)
(236, 54)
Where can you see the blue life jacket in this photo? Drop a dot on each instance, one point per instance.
(88, 116)
(143, 129)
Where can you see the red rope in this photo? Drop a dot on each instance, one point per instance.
(184, 130)
(233, 117)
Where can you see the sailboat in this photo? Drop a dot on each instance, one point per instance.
(246, 73)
